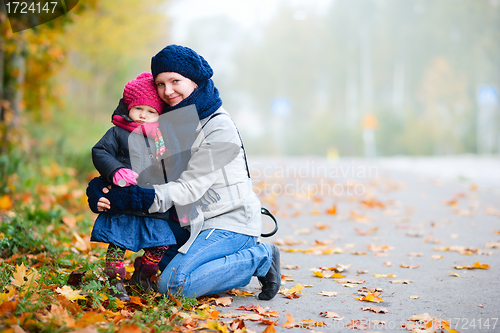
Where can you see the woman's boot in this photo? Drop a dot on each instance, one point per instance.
(142, 275)
(116, 277)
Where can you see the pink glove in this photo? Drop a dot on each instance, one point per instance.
(125, 177)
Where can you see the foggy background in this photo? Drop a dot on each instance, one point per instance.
(329, 78)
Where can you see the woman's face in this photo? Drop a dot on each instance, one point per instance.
(173, 87)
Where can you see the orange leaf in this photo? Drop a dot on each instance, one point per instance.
(5, 202)
(7, 308)
(131, 328)
(332, 211)
(136, 300)
(480, 266)
(475, 265)
(90, 318)
(269, 329)
(370, 298)
(290, 321)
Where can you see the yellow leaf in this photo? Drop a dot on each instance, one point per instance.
(236, 292)
(32, 277)
(11, 292)
(70, 294)
(119, 303)
(19, 275)
(215, 325)
(296, 289)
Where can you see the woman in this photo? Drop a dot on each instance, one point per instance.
(210, 188)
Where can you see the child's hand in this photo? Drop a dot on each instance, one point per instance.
(122, 199)
(95, 193)
(103, 204)
(125, 177)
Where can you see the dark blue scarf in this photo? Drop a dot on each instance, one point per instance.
(205, 97)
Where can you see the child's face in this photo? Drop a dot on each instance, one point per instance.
(173, 87)
(142, 114)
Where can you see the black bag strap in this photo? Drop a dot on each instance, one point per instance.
(263, 210)
(242, 147)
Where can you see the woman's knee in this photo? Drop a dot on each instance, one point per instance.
(172, 280)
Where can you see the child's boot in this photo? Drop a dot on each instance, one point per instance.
(142, 275)
(116, 277)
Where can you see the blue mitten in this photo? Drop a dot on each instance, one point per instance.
(129, 198)
(94, 192)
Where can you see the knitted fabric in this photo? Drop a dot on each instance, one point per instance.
(159, 144)
(148, 128)
(114, 256)
(182, 60)
(129, 198)
(94, 192)
(153, 255)
(142, 91)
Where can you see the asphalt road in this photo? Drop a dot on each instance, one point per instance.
(421, 218)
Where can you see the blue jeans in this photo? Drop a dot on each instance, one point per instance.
(224, 261)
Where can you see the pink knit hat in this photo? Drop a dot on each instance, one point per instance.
(142, 91)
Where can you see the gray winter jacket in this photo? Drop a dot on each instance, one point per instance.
(237, 208)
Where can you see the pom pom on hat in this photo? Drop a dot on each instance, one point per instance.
(182, 60)
(142, 91)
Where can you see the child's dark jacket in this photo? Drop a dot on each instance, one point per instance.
(131, 230)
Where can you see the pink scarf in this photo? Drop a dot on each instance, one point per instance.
(148, 129)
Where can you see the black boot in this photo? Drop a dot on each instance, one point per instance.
(142, 275)
(271, 283)
(116, 277)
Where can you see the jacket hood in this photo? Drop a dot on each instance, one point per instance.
(121, 110)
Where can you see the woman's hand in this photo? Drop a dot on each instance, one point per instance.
(100, 197)
(121, 199)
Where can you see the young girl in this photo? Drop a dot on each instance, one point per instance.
(134, 143)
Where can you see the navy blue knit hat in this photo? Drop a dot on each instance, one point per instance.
(182, 60)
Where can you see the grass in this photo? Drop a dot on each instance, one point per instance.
(45, 225)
